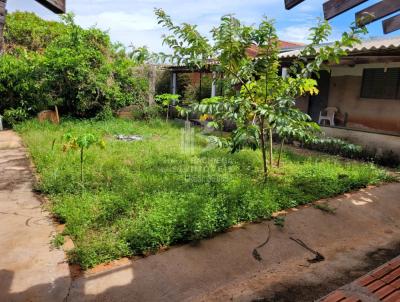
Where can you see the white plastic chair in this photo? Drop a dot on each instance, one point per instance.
(330, 115)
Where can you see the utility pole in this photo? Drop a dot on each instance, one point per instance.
(3, 13)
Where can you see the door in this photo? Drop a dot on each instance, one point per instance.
(320, 101)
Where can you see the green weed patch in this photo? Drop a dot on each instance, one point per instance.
(140, 196)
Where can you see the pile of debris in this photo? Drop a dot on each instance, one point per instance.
(129, 138)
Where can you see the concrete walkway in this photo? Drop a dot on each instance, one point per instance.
(363, 234)
(29, 269)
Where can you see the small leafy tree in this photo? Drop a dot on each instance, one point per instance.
(167, 100)
(261, 101)
(81, 142)
(183, 111)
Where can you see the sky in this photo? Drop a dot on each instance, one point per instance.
(132, 22)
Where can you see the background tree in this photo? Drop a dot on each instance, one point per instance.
(265, 102)
(49, 63)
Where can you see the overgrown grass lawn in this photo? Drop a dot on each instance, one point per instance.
(142, 196)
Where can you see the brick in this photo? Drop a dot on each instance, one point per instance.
(376, 285)
(352, 299)
(365, 280)
(394, 297)
(395, 262)
(396, 284)
(384, 291)
(392, 276)
(335, 297)
(380, 272)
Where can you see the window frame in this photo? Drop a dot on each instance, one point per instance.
(364, 83)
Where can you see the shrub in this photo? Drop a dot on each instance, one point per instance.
(105, 114)
(79, 70)
(340, 147)
(14, 116)
(30, 31)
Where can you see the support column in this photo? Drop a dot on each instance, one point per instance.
(284, 72)
(173, 90)
(201, 86)
(214, 84)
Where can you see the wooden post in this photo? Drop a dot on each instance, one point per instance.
(377, 11)
(56, 6)
(289, 4)
(57, 115)
(333, 8)
(152, 84)
(3, 13)
(392, 24)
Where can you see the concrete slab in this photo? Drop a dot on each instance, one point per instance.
(29, 269)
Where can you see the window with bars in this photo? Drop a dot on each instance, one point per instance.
(381, 83)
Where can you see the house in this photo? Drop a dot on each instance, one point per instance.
(365, 90)
(197, 76)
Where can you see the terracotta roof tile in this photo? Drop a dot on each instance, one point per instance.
(375, 44)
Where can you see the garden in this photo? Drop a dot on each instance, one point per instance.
(142, 196)
(134, 187)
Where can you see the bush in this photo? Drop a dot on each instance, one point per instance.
(105, 114)
(14, 116)
(30, 31)
(145, 112)
(340, 147)
(79, 70)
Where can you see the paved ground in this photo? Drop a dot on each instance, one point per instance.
(382, 284)
(363, 234)
(29, 270)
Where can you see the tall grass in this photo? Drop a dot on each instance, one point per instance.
(141, 196)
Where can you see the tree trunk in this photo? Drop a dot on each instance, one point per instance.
(82, 166)
(263, 151)
(270, 148)
(3, 13)
(280, 152)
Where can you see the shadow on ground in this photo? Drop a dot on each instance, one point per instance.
(301, 291)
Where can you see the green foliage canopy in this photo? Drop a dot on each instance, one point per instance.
(265, 102)
(59, 63)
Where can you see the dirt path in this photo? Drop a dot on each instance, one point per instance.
(29, 269)
(364, 233)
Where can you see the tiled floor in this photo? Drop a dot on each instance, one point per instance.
(382, 284)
